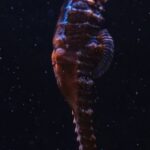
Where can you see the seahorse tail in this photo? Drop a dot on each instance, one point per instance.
(84, 129)
(83, 109)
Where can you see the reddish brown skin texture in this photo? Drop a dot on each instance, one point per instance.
(65, 69)
(81, 50)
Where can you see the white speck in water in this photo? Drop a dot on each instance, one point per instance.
(30, 112)
(35, 44)
(13, 28)
(30, 100)
(139, 29)
(36, 137)
(48, 3)
(43, 110)
(19, 86)
(17, 67)
(32, 95)
(45, 71)
(143, 110)
(20, 19)
(12, 7)
(11, 110)
(141, 79)
(9, 98)
(108, 125)
(138, 40)
(133, 101)
(18, 78)
(136, 93)
(53, 122)
(8, 69)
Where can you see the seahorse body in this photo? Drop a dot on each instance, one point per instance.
(83, 50)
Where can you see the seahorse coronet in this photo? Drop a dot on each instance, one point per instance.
(83, 50)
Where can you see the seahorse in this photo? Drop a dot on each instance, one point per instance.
(83, 51)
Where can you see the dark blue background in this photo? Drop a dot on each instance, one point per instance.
(33, 114)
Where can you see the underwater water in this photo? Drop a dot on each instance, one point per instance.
(33, 113)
